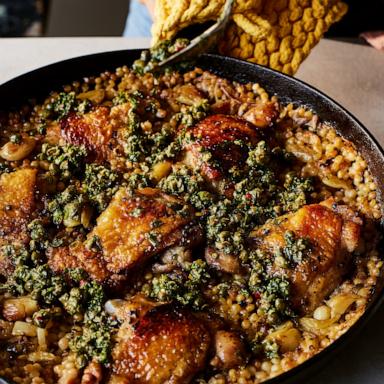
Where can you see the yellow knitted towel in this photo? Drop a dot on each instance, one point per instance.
(276, 33)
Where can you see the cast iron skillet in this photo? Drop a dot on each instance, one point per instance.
(38, 83)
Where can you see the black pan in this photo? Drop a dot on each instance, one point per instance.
(38, 83)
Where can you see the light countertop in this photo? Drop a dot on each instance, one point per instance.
(351, 74)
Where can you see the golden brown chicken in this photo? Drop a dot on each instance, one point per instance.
(133, 228)
(136, 227)
(92, 130)
(226, 348)
(17, 204)
(217, 144)
(100, 131)
(166, 345)
(78, 255)
(332, 232)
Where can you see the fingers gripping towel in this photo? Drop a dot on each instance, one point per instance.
(276, 33)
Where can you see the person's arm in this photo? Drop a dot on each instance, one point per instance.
(150, 4)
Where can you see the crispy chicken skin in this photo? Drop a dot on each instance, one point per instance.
(333, 232)
(77, 255)
(91, 130)
(100, 131)
(220, 137)
(226, 348)
(131, 230)
(126, 226)
(167, 345)
(17, 203)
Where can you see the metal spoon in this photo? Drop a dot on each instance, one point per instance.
(5, 381)
(204, 41)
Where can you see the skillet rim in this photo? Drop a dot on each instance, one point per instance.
(368, 146)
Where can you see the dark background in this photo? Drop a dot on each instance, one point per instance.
(363, 15)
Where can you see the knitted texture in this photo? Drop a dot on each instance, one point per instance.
(276, 33)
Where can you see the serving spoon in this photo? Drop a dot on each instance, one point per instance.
(5, 381)
(204, 41)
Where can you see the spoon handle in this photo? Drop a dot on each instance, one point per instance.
(203, 42)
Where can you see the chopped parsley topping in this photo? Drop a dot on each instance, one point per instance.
(95, 339)
(5, 168)
(66, 207)
(66, 161)
(192, 114)
(296, 191)
(100, 184)
(183, 182)
(295, 248)
(15, 139)
(73, 295)
(161, 51)
(63, 104)
(184, 288)
(36, 230)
